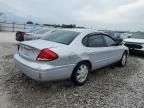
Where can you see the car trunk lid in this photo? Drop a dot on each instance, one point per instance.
(31, 49)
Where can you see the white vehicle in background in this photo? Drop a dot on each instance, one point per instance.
(38, 34)
(125, 35)
(135, 42)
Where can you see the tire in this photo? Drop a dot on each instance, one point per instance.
(80, 73)
(123, 60)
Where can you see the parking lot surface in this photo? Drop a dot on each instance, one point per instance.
(115, 87)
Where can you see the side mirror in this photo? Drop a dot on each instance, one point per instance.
(119, 41)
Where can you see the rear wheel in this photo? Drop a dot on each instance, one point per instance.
(80, 73)
(123, 60)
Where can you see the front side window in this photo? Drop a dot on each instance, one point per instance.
(62, 36)
(109, 41)
(96, 41)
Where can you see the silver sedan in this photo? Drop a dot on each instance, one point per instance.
(69, 54)
(38, 34)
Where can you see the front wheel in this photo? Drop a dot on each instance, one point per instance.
(123, 60)
(80, 73)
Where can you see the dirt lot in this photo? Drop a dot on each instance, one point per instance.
(106, 88)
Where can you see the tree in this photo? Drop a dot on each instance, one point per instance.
(68, 26)
(80, 27)
(63, 25)
(37, 24)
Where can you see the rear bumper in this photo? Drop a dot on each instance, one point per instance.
(41, 71)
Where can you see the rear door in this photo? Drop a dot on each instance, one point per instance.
(97, 50)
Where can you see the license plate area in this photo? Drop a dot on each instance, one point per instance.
(28, 52)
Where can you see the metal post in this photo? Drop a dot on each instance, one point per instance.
(13, 26)
(24, 25)
(0, 27)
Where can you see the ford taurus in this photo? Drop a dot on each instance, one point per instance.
(69, 54)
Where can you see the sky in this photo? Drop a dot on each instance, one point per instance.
(98, 14)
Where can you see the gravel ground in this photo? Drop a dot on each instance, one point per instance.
(7, 37)
(106, 88)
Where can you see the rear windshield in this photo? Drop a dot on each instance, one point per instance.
(62, 36)
(138, 35)
(41, 31)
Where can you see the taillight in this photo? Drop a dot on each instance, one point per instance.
(47, 55)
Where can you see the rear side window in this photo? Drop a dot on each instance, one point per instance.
(94, 41)
(62, 36)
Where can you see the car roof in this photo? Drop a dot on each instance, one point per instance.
(84, 30)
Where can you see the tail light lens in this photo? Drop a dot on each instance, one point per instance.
(47, 55)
